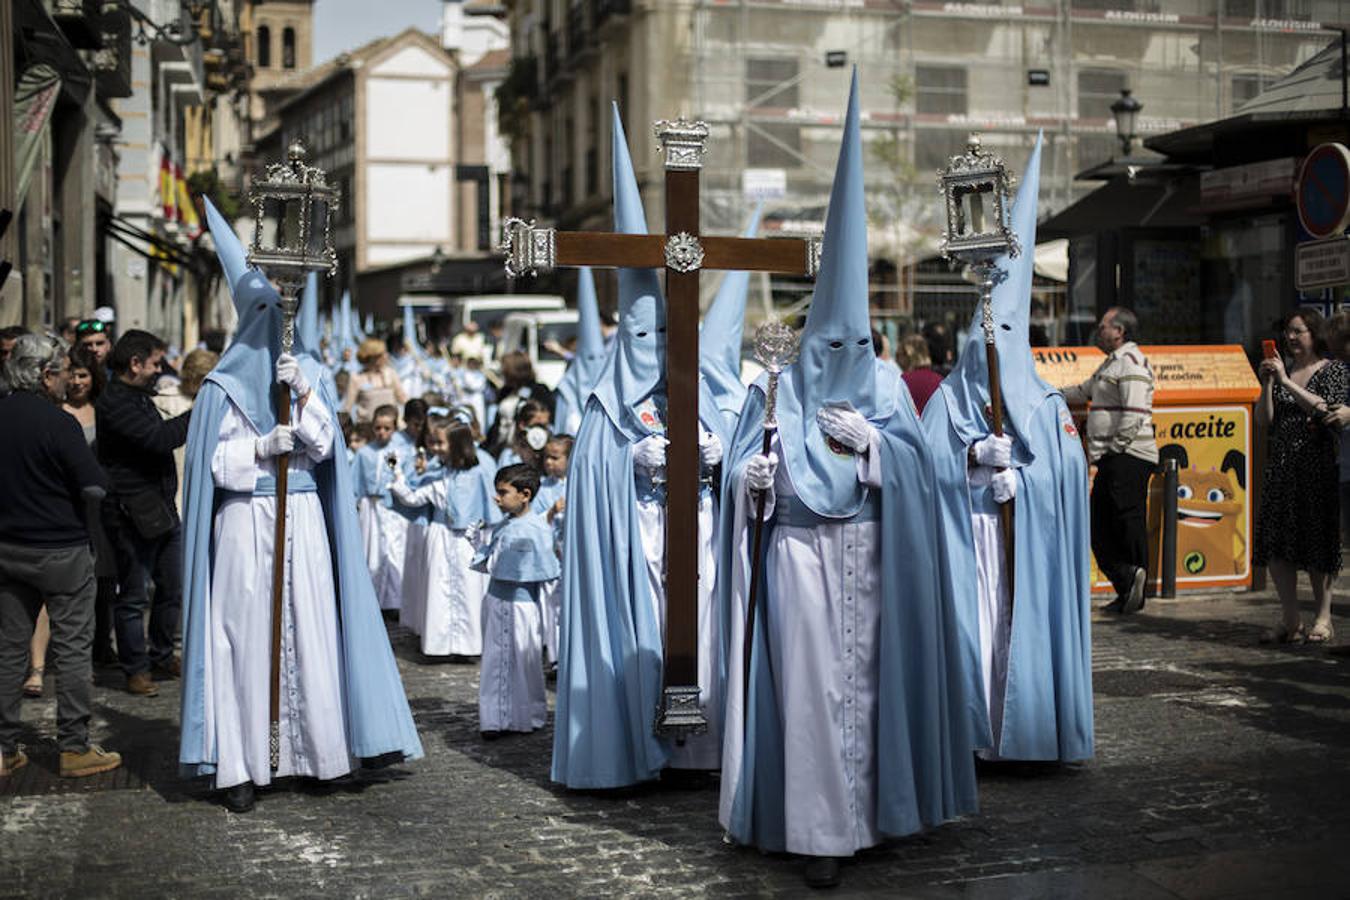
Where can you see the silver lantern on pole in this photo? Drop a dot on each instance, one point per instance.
(976, 189)
(293, 212)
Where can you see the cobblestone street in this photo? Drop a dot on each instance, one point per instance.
(1222, 771)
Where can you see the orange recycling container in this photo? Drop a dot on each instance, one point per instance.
(1203, 399)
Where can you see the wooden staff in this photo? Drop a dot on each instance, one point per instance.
(282, 393)
(1005, 510)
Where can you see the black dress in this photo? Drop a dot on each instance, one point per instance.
(1299, 518)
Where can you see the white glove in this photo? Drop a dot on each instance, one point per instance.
(1004, 484)
(847, 426)
(649, 454)
(288, 372)
(994, 451)
(709, 449)
(276, 442)
(471, 533)
(760, 471)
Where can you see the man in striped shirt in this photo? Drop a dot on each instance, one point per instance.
(1122, 446)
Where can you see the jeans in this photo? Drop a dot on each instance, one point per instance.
(1119, 506)
(62, 578)
(138, 562)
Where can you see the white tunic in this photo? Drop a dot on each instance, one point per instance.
(699, 751)
(511, 694)
(383, 534)
(312, 725)
(823, 588)
(443, 597)
(995, 606)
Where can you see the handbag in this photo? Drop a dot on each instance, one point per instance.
(150, 515)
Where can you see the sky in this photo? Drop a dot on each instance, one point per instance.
(347, 24)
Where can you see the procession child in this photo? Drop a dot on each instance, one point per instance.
(519, 557)
(549, 503)
(381, 528)
(409, 539)
(529, 434)
(459, 492)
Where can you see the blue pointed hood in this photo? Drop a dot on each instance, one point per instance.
(362, 330)
(723, 330)
(307, 319)
(636, 368)
(343, 324)
(246, 368)
(836, 361)
(966, 389)
(410, 343)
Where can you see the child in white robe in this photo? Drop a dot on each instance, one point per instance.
(520, 557)
(450, 601)
(382, 529)
(549, 503)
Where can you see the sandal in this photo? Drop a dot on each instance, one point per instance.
(1320, 633)
(1282, 635)
(32, 688)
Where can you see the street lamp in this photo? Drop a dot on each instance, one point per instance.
(1126, 110)
(437, 260)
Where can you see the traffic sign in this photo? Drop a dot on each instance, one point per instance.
(1322, 191)
(1320, 264)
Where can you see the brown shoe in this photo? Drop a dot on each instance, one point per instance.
(172, 667)
(141, 683)
(12, 762)
(90, 762)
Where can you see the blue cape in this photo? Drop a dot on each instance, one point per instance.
(470, 495)
(377, 714)
(720, 337)
(586, 366)
(1047, 712)
(370, 476)
(521, 550)
(926, 772)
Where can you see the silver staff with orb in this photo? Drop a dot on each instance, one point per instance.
(977, 237)
(293, 208)
(775, 347)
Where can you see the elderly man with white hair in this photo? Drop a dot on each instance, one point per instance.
(49, 478)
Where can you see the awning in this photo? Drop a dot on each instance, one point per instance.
(34, 99)
(1119, 204)
(1052, 260)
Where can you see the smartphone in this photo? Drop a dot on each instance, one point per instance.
(1269, 350)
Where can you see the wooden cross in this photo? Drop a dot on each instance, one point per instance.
(683, 252)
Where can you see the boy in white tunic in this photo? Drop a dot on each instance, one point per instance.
(520, 559)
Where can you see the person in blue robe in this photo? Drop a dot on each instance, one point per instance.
(853, 727)
(585, 368)
(329, 594)
(1027, 644)
(720, 336)
(613, 611)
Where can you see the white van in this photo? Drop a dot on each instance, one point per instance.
(537, 333)
(488, 308)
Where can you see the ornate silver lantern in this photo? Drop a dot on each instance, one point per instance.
(976, 187)
(293, 210)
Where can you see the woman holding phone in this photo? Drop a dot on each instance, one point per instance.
(1296, 527)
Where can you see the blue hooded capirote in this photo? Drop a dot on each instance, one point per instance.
(1047, 709)
(589, 362)
(377, 715)
(720, 336)
(925, 770)
(609, 672)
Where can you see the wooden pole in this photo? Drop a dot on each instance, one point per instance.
(756, 575)
(1005, 510)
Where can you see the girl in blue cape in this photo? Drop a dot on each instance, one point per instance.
(342, 699)
(853, 726)
(382, 529)
(613, 606)
(1027, 647)
(518, 555)
(459, 492)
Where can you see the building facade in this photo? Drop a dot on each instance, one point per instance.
(770, 77)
